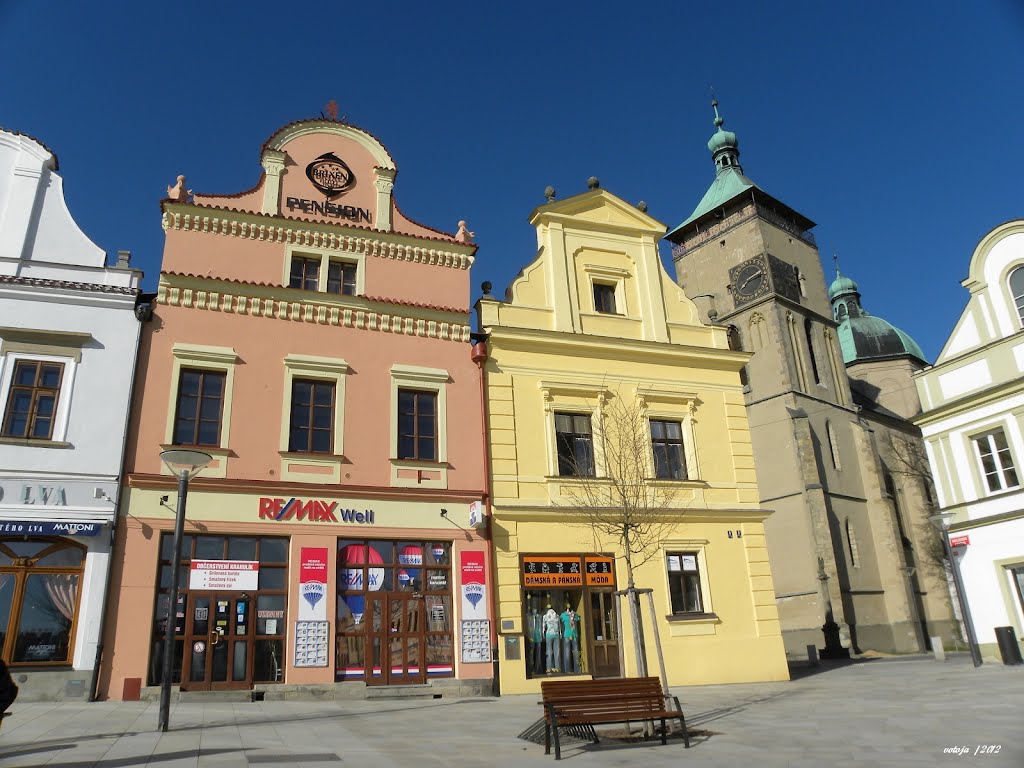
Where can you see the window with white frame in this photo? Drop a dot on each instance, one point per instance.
(604, 298)
(996, 461)
(325, 272)
(419, 426)
(202, 383)
(574, 441)
(36, 380)
(684, 587)
(313, 410)
(669, 453)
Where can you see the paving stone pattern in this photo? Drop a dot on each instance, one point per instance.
(868, 713)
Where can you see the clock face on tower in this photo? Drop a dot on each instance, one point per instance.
(749, 280)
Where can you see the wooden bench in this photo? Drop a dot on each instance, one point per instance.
(586, 703)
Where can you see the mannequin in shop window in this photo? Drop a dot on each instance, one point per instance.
(535, 641)
(570, 639)
(552, 640)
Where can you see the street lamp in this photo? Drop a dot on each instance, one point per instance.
(184, 465)
(941, 521)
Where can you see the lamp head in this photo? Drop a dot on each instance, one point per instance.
(184, 462)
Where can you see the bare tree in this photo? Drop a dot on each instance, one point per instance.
(907, 457)
(623, 506)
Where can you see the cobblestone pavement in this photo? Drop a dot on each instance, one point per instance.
(867, 713)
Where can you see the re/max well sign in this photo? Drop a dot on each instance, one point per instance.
(311, 510)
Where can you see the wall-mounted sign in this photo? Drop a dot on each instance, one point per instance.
(600, 571)
(328, 208)
(474, 585)
(313, 583)
(237, 575)
(312, 510)
(476, 514)
(959, 541)
(330, 175)
(312, 643)
(43, 495)
(557, 571)
(46, 528)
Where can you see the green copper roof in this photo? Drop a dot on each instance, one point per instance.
(842, 284)
(872, 338)
(729, 183)
(862, 336)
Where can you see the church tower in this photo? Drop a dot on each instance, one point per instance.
(751, 263)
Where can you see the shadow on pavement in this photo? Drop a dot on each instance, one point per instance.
(701, 718)
(127, 762)
(800, 670)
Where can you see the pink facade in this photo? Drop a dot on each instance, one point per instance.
(315, 343)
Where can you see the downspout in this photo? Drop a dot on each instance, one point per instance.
(479, 356)
(143, 313)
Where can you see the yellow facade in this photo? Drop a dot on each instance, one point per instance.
(595, 326)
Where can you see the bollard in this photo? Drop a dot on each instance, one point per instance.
(812, 655)
(937, 649)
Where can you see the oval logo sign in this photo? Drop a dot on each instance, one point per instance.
(330, 175)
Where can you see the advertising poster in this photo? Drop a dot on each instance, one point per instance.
(313, 584)
(474, 585)
(233, 575)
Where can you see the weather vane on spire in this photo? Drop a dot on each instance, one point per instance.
(719, 121)
(331, 109)
(835, 260)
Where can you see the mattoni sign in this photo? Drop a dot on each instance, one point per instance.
(312, 510)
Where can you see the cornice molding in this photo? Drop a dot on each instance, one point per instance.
(329, 237)
(235, 301)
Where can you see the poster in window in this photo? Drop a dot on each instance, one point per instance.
(690, 563)
(673, 563)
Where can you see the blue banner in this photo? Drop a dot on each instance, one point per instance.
(49, 528)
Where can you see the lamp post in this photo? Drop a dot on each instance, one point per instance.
(941, 521)
(184, 465)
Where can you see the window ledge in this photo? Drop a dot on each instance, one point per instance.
(418, 464)
(35, 442)
(689, 482)
(311, 455)
(214, 450)
(694, 618)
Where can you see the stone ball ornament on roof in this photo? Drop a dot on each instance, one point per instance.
(593, 183)
(549, 193)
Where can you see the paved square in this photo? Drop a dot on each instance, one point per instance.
(907, 712)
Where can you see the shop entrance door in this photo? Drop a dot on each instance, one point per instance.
(397, 641)
(604, 635)
(218, 642)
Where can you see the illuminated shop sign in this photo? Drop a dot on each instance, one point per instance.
(568, 571)
(328, 208)
(312, 510)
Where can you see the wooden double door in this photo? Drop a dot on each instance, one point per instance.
(219, 633)
(396, 639)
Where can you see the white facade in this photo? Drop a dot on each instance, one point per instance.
(973, 425)
(68, 341)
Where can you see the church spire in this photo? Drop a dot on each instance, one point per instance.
(725, 149)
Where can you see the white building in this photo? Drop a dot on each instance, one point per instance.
(68, 341)
(973, 425)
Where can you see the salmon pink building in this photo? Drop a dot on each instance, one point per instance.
(314, 341)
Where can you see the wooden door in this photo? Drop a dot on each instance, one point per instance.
(218, 642)
(603, 635)
(397, 644)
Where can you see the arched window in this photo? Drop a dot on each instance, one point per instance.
(39, 586)
(1017, 291)
(841, 313)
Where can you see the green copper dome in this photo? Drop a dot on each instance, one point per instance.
(840, 286)
(862, 336)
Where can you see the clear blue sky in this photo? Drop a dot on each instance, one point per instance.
(894, 125)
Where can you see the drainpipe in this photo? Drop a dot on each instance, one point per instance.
(479, 356)
(143, 313)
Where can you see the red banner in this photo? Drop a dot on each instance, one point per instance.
(313, 583)
(474, 585)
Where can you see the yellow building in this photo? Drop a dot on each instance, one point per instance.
(608, 401)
